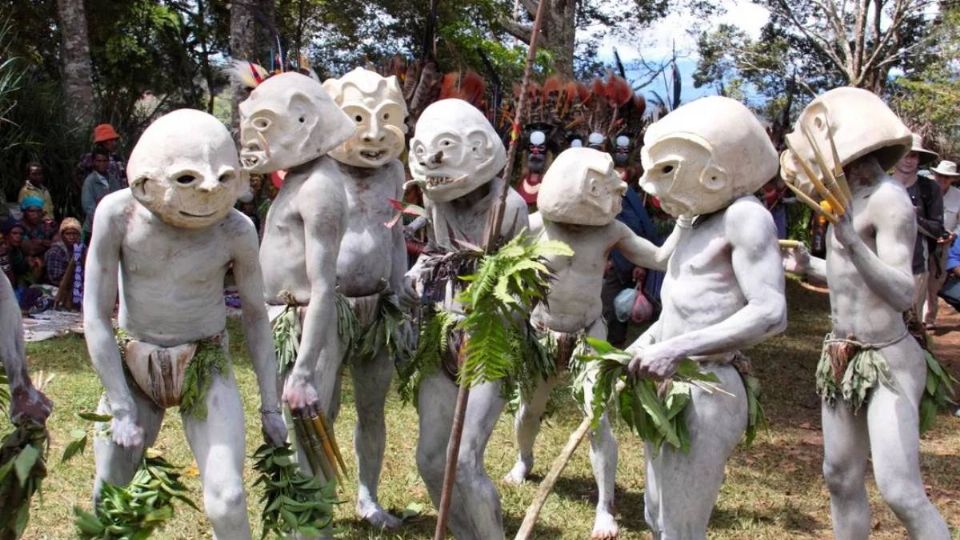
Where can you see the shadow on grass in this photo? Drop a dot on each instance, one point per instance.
(785, 518)
(425, 525)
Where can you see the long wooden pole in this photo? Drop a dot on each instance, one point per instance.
(490, 242)
(530, 519)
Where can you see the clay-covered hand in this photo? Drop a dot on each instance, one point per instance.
(125, 430)
(27, 404)
(654, 362)
(300, 395)
(796, 259)
(844, 231)
(273, 427)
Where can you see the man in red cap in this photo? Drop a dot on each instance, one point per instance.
(106, 138)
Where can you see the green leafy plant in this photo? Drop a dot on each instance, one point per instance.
(22, 470)
(286, 338)
(209, 361)
(134, 512)
(293, 503)
(496, 303)
(652, 409)
(938, 392)
(434, 333)
(78, 442)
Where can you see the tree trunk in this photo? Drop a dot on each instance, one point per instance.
(77, 67)
(251, 38)
(557, 35)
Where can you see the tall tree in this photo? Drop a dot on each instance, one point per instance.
(564, 17)
(77, 66)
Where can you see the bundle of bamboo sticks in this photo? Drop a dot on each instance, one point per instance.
(316, 439)
(832, 187)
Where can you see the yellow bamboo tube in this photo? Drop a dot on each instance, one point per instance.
(328, 430)
(830, 180)
(815, 179)
(331, 456)
(805, 199)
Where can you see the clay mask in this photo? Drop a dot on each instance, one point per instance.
(185, 169)
(843, 111)
(289, 120)
(581, 187)
(376, 106)
(705, 154)
(454, 150)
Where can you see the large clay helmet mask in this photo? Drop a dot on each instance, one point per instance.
(705, 154)
(377, 107)
(581, 187)
(860, 123)
(454, 150)
(289, 120)
(185, 169)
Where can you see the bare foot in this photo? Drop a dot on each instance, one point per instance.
(376, 516)
(605, 526)
(518, 473)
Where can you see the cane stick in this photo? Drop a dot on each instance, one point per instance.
(319, 426)
(494, 224)
(533, 511)
(305, 446)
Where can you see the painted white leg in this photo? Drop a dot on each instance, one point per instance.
(845, 449)
(114, 463)
(218, 444)
(527, 426)
(475, 504)
(687, 485)
(893, 424)
(371, 383)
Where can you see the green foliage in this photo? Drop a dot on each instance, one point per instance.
(431, 346)
(938, 392)
(293, 503)
(135, 511)
(654, 410)
(286, 337)
(78, 437)
(382, 334)
(496, 302)
(208, 362)
(22, 470)
(864, 371)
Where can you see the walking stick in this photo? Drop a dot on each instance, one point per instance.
(492, 234)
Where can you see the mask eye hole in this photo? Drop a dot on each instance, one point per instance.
(301, 119)
(667, 169)
(261, 123)
(386, 116)
(225, 177)
(186, 179)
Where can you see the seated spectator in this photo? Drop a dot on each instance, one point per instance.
(34, 186)
(23, 272)
(96, 186)
(63, 264)
(38, 230)
(105, 139)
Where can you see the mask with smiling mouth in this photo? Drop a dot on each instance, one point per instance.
(377, 107)
(454, 150)
(185, 170)
(289, 120)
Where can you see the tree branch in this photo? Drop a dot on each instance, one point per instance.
(531, 7)
(517, 30)
(818, 42)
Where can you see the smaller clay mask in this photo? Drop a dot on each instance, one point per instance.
(454, 150)
(581, 187)
(185, 170)
(289, 120)
(377, 107)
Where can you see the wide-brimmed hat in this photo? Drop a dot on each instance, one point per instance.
(926, 156)
(103, 133)
(946, 168)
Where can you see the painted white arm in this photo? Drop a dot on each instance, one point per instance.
(888, 271)
(758, 271)
(643, 252)
(26, 401)
(323, 231)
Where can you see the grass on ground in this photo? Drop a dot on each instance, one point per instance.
(773, 490)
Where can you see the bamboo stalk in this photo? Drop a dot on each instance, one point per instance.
(828, 173)
(304, 443)
(333, 441)
(838, 167)
(805, 199)
(814, 179)
(533, 511)
(320, 428)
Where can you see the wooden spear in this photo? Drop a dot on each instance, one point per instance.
(494, 224)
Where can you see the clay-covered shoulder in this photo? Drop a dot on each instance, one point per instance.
(890, 199)
(748, 223)
(323, 187)
(116, 207)
(239, 231)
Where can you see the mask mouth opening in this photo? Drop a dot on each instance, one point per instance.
(188, 214)
(373, 155)
(439, 181)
